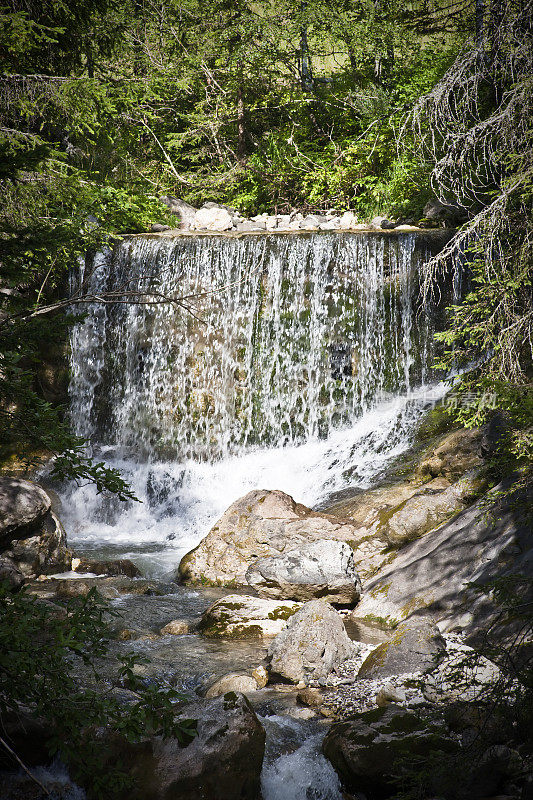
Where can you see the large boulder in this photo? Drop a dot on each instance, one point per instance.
(23, 505)
(223, 761)
(432, 576)
(324, 568)
(242, 617)
(415, 646)
(261, 524)
(370, 751)
(45, 552)
(212, 219)
(313, 644)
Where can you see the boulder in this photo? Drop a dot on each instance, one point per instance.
(261, 524)
(223, 761)
(177, 627)
(119, 566)
(432, 576)
(10, 575)
(382, 224)
(323, 568)
(241, 617)
(157, 227)
(427, 509)
(312, 222)
(183, 210)
(370, 751)
(331, 224)
(462, 676)
(43, 553)
(23, 506)
(232, 682)
(415, 646)
(212, 218)
(436, 211)
(347, 221)
(313, 644)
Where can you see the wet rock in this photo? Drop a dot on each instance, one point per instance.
(261, 524)
(23, 506)
(382, 223)
(119, 566)
(415, 646)
(213, 218)
(261, 676)
(313, 644)
(177, 627)
(435, 211)
(157, 227)
(183, 210)
(310, 697)
(233, 682)
(370, 751)
(10, 575)
(324, 568)
(223, 761)
(241, 616)
(27, 735)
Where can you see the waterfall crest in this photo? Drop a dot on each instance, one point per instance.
(299, 336)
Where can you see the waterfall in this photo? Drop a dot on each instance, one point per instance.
(303, 366)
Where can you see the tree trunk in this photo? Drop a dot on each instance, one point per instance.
(241, 124)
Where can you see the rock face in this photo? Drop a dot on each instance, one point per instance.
(431, 575)
(119, 566)
(223, 761)
(241, 617)
(457, 453)
(324, 568)
(313, 644)
(426, 510)
(259, 525)
(369, 751)
(415, 646)
(23, 505)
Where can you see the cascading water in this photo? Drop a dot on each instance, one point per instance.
(296, 371)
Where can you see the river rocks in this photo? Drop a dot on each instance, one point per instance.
(240, 616)
(223, 761)
(10, 575)
(232, 682)
(119, 566)
(415, 646)
(324, 568)
(212, 219)
(157, 227)
(370, 751)
(177, 627)
(23, 505)
(313, 644)
(259, 525)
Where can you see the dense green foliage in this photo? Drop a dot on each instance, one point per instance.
(42, 646)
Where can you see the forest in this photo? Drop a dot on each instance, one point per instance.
(419, 112)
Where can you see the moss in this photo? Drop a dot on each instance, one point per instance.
(282, 612)
(382, 622)
(435, 423)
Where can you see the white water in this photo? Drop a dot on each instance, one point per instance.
(300, 378)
